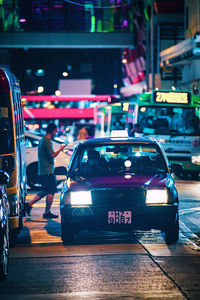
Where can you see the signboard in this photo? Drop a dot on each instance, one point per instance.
(58, 113)
(171, 97)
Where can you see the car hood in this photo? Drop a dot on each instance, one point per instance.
(128, 180)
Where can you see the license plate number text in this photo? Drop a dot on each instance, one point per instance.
(119, 217)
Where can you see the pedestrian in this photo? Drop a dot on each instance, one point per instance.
(82, 134)
(46, 155)
(133, 129)
(130, 129)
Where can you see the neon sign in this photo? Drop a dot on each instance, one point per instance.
(171, 97)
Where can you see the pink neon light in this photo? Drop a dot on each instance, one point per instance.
(58, 113)
(41, 98)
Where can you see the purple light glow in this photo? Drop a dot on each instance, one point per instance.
(125, 23)
(57, 5)
(22, 20)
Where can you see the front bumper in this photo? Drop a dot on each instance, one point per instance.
(142, 217)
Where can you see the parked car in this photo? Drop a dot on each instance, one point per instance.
(31, 144)
(119, 184)
(76, 127)
(4, 225)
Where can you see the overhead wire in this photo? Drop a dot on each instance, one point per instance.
(96, 6)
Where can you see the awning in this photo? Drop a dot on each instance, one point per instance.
(58, 113)
(43, 98)
(179, 53)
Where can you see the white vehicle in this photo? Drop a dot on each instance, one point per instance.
(31, 143)
(76, 126)
(173, 118)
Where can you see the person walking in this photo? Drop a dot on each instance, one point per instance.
(46, 155)
(82, 134)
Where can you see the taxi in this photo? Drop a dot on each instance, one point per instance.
(119, 184)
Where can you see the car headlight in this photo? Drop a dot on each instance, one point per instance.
(156, 196)
(196, 159)
(80, 198)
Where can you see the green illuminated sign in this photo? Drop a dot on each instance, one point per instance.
(169, 97)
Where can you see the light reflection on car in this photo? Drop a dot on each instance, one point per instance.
(119, 184)
(4, 225)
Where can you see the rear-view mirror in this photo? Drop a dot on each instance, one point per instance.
(60, 171)
(117, 150)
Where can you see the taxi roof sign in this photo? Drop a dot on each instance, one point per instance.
(119, 134)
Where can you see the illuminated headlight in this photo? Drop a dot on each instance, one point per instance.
(196, 160)
(156, 196)
(80, 198)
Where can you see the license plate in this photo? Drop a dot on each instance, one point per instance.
(119, 217)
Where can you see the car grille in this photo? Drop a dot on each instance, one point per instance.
(119, 197)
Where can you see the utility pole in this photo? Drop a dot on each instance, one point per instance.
(152, 49)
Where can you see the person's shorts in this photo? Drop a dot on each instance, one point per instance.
(49, 183)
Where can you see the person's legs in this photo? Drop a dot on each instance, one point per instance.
(29, 205)
(52, 188)
(48, 214)
(49, 187)
(40, 195)
(49, 200)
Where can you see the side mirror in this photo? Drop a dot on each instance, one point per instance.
(60, 171)
(8, 163)
(4, 177)
(176, 168)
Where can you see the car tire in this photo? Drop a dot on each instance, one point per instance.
(67, 233)
(4, 254)
(171, 232)
(33, 177)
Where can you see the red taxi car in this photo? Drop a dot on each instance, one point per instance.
(119, 184)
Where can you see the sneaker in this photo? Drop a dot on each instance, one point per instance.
(49, 215)
(27, 208)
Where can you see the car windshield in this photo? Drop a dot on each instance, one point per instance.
(103, 160)
(169, 120)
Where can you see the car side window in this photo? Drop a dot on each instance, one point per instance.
(28, 143)
(35, 142)
(31, 142)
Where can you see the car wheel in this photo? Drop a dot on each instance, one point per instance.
(171, 232)
(4, 254)
(67, 233)
(32, 176)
